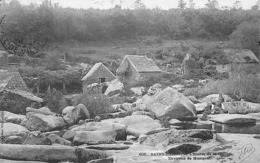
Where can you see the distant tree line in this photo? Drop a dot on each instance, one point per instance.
(65, 24)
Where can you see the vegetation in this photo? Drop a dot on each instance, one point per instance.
(53, 100)
(96, 104)
(78, 25)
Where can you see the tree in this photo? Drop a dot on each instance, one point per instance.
(212, 4)
(256, 6)
(191, 4)
(181, 4)
(237, 5)
(138, 4)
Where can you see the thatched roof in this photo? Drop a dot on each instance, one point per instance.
(13, 82)
(100, 68)
(240, 56)
(142, 63)
(25, 94)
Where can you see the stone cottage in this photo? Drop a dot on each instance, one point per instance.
(237, 59)
(15, 96)
(99, 74)
(135, 69)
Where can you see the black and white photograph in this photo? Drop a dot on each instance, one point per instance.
(129, 81)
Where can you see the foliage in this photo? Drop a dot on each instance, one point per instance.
(96, 104)
(60, 24)
(247, 36)
(54, 64)
(53, 100)
(239, 86)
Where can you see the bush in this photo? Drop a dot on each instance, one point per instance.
(53, 100)
(96, 104)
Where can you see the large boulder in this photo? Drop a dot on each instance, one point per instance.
(114, 87)
(10, 129)
(72, 114)
(137, 124)
(41, 122)
(11, 117)
(97, 126)
(44, 153)
(94, 137)
(170, 104)
(215, 98)
(240, 107)
(232, 119)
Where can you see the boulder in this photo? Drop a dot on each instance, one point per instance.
(14, 140)
(43, 110)
(97, 126)
(240, 107)
(10, 129)
(89, 155)
(232, 119)
(6, 116)
(165, 138)
(46, 153)
(94, 137)
(182, 149)
(170, 104)
(193, 99)
(215, 98)
(139, 91)
(136, 124)
(36, 138)
(72, 115)
(114, 87)
(154, 89)
(55, 139)
(127, 107)
(69, 135)
(41, 122)
(200, 107)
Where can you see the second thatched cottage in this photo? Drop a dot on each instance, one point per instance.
(237, 60)
(135, 69)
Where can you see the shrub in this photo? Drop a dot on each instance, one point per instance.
(54, 64)
(53, 100)
(96, 104)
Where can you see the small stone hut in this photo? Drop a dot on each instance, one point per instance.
(135, 69)
(237, 59)
(15, 96)
(99, 73)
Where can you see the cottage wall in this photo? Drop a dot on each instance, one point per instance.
(100, 73)
(223, 68)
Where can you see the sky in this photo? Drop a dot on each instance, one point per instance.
(163, 4)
